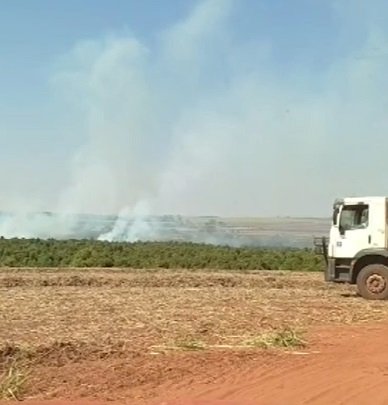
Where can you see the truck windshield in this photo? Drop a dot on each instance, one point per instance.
(354, 217)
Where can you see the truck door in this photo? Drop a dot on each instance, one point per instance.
(353, 231)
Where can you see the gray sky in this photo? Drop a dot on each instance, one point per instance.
(223, 107)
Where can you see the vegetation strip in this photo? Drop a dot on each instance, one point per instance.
(148, 255)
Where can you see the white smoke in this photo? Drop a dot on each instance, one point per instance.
(198, 122)
(36, 225)
(131, 226)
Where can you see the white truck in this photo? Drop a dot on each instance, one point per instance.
(356, 251)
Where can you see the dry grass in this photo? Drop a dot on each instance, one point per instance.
(99, 310)
(285, 338)
(56, 320)
(192, 345)
(12, 381)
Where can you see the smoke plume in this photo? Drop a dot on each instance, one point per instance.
(201, 121)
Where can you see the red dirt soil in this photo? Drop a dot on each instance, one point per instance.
(346, 365)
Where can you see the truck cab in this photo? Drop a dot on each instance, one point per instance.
(356, 251)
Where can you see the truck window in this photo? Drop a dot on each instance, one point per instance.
(354, 217)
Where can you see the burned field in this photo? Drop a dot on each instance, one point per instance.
(117, 332)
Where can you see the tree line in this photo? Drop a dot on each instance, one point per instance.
(169, 255)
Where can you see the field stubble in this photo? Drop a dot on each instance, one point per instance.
(132, 320)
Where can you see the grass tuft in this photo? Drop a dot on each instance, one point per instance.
(285, 338)
(12, 383)
(193, 345)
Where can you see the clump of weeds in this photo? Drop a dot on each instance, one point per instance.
(285, 338)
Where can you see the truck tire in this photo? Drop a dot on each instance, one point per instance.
(372, 282)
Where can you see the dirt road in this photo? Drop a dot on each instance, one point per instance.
(341, 365)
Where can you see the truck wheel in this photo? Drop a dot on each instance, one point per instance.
(372, 282)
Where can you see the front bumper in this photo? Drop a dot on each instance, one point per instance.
(338, 271)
